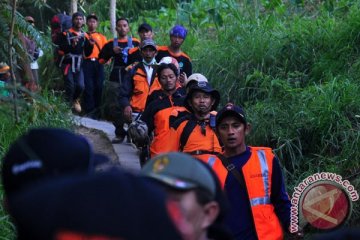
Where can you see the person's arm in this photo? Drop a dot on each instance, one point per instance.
(106, 52)
(279, 197)
(88, 46)
(64, 46)
(187, 68)
(126, 90)
(148, 117)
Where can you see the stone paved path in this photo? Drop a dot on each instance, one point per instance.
(127, 153)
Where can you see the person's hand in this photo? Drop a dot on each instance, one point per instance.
(117, 49)
(74, 41)
(295, 235)
(91, 41)
(182, 79)
(128, 114)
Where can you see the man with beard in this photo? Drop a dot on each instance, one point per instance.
(116, 49)
(177, 37)
(194, 134)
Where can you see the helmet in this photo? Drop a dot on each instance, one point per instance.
(196, 77)
(138, 132)
(29, 19)
(168, 60)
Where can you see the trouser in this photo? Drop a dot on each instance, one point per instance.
(74, 85)
(35, 76)
(93, 80)
(113, 109)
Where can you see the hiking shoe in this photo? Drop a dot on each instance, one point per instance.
(118, 139)
(77, 106)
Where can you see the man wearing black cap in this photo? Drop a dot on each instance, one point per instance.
(194, 134)
(73, 44)
(117, 50)
(254, 185)
(140, 82)
(145, 31)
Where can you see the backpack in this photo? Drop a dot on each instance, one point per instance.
(58, 24)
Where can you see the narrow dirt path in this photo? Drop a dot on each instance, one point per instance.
(99, 141)
(100, 134)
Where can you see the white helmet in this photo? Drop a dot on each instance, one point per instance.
(195, 77)
(168, 60)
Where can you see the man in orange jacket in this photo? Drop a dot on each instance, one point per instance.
(194, 134)
(260, 206)
(165, 101)
(140, 82)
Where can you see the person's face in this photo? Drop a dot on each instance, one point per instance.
(145, 34)
(201, 102)
(92, 24)
(148, 53)
(78, 22)
(176, 41)
(195, 217)
(232, 132)
(122, 28)
(168, 79)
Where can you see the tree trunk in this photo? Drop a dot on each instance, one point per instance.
(73, 7)
(11, 49)
(113, 17)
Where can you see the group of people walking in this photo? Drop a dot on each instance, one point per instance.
(215, 185)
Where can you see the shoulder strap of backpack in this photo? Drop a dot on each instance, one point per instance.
(129, 42)
(189, 127)
(231, 168)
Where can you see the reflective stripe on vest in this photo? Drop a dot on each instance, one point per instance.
(265, 176)
(257, 174)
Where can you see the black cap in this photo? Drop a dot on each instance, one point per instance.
(231, 110)
(92, 15)
(144, 26)
(203, 87)
(109, 205)
(44, 153)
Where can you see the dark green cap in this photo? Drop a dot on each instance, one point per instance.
(180, 171)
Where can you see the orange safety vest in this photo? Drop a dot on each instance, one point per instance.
(257, 174)
(142, 89)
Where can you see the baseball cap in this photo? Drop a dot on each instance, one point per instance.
(178, 31)
(30, 19)
(203, 87)
(109, 205)
(46, 152)
(180, 171)
(144, 26)
(233, 110)
(148, 43)
(195, 77)
(92, 15)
